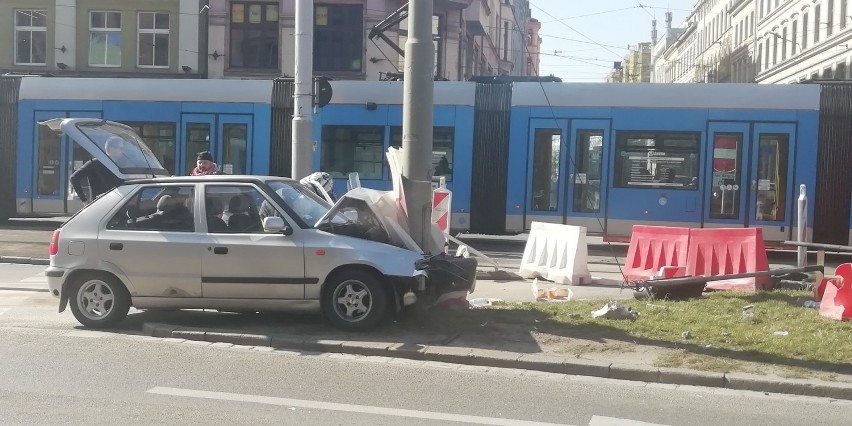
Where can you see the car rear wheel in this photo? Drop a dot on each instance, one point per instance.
(355, 301)
(99, 300)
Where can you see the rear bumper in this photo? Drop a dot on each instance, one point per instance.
(55, 278)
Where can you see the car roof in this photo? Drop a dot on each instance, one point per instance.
(211, 178)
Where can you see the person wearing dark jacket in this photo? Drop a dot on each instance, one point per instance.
(100, 178)
(205, 165)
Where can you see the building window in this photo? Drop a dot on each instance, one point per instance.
(775, 50)
(657, 160)
(347, 149)
(816, 23)
(843, 11)
(160, 138)
(840, 72)
(442, 149)
(794, 37)
(339, 37)
(804, 32)
(829, 19)
(254, 36)
(784, 45)
(153, 39)
(827, 73)
(105, 39)
(30, 37)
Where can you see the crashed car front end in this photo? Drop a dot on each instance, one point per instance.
(375, 216)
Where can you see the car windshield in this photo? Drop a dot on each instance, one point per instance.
(307, 205)
(123, 146)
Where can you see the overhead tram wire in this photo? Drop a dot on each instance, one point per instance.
(564, 146)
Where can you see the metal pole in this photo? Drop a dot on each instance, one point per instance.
(802, 235)
(302, 96)
(417, 113)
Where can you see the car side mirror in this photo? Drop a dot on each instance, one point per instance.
(273, 225)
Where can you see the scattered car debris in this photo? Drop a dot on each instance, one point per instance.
(613, 310)
(686, 335)
(551, 294)
(483, 302)
(781, 333)
(748, 311)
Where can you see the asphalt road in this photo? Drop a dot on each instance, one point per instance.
(53, 376)
(54, 372)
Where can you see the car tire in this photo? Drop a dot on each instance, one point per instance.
(354, 300)
(99, 300)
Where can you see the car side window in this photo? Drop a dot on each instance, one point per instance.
(157, 208)
(235, 209)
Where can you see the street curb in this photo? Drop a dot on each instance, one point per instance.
(24, 260)
(504, 359)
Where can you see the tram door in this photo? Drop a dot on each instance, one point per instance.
(226, 136)
(55, 159)
(750, 168)
(568, 173)
(585, 189)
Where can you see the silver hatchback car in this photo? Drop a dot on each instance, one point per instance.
(236, 243)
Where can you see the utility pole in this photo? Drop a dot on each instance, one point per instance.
(417, 104)
(303, 139)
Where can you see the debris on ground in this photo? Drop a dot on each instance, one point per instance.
(686, 335)
(551, 294)
(813, 304)
(748, 311)
(483, 302)
(781, 333)
(613, 310)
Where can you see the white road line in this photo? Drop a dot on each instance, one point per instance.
(40, 278)
(333, 406)
(612, 421)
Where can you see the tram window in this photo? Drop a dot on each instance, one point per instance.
(347, 149)
(545, 175)
(587, 180)
(49, 161)
(443, 140)
(160, 138)
(771, 201)
(725, 189)
(657, 160)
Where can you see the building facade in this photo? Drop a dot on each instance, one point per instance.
(759, 41)
(635, 68)
(533, 47)
(254, 38)
(152, 38)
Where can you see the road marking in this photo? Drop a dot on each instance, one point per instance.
(40, 278)
(87, 333)
(613, 421)
(333, 406)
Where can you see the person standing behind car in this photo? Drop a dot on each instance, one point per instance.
(100, 178)
(205, 165)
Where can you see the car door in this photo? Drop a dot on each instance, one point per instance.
(239, 259)
(152, 239)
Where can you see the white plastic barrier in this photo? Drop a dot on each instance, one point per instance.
(557, 253)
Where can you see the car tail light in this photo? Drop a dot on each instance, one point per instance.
(54, 243)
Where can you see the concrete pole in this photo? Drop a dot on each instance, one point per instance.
(417, 104)
(303, 139)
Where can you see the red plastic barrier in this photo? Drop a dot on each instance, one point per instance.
(728, 251)
(837, 298)
(652, 248)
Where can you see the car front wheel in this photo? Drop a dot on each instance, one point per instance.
(99, 300)
(355, 301)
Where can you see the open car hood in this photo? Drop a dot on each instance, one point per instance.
(368, 214)
(94, 135)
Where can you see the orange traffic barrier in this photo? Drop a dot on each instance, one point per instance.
(728, 251)
(656, 251)
(837, 297)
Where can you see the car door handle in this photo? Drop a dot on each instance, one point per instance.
(220, 250)
(116, 246)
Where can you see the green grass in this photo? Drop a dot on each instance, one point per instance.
(720, 338)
